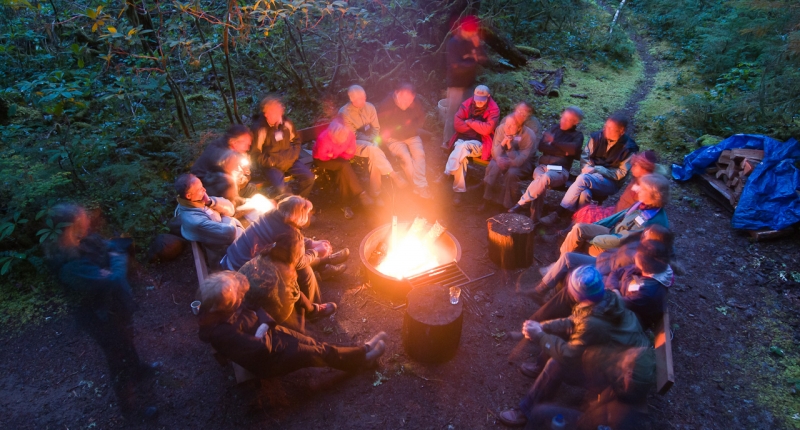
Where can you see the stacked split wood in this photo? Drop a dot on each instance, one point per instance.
(729, 174)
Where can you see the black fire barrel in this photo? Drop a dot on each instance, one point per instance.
(432, 325)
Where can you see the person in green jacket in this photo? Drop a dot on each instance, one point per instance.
(608, 233)
(599, 318)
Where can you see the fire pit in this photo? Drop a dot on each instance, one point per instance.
(401, 260)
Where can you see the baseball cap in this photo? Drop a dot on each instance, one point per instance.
(481, 93)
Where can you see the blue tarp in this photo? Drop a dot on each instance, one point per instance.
(769, 199)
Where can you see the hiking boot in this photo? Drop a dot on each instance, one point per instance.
(513, 418)
(531, 370)
(549, 220)
(322, 310)
(348, 213)
(376, 347)
(337, 257)
(365, 199)
(330, 271)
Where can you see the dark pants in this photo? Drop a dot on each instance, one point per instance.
(293, 351)
(115, 338)
(308, 282)
(559, 270)
(545, 388)
(303, 176)
(345, 177)
(559, 306)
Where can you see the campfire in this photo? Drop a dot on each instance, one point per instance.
(395, 252)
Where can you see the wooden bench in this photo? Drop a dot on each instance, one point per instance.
(200, 266)
(665, 374)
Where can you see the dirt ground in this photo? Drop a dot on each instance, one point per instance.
(53, 376)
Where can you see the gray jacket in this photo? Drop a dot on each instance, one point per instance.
(211, 225)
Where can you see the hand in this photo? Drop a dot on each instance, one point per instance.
(262, 330)
(322, 247)
(548, 137)
(587, 169)
(531, 329)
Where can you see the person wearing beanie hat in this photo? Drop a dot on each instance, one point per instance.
(464, 54)
(599, 318)
(474, 124)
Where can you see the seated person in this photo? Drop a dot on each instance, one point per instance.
(237, 138)
(622, 376)
(607, 262)
(273, 283)
(642, 292)
(560, 146)
(361, 118)
(599, 318)
(474, 123)
(204, 219)
(400, 117)
(653, 192)
(512, 145)
(250, 337)
(223, 179)
(604, 164)
(643, 286)
(333, 150)
(276, 149)
(643, 163)
(292, 214)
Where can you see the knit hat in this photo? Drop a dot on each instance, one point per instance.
(481, 93)
(586, 283)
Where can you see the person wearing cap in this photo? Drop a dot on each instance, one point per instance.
(560, 146)
(401, 116)
(513, 143)
(362, 118)
(598, 318)
(643, 163)
(276, 148)
(464, 54)
(474, 124)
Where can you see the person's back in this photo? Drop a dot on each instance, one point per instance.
(209, 159)
(258, 236)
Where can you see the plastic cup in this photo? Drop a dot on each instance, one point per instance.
(455, 293)
(196, 307)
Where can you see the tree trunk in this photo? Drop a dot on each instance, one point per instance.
(616, 15)
(225, 44)
(214, 71)
(503, 46)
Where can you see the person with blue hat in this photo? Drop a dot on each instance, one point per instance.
(598, 318)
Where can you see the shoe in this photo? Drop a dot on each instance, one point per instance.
(365, 199)
(477, 187)
(424, 193)
(337, 257)
(348, 213)
(515, 209)
(330, 271)
(441, 178)
(323, 310)
(531, 370)
(378, 337)
(398, 179)
(513, 418)
(457, 199)
(375, 351)
(549, 219)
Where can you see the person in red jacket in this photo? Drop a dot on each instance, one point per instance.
(474, 123)
(333, 150)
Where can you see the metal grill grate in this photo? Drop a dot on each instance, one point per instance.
(447, 275)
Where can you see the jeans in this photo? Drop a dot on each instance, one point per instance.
(411, 154)
(568, 261)
(377, 162)
(301, 173)
(543, 180)
(293, 351)
(584, 188)
(457, 162)
(455, 96)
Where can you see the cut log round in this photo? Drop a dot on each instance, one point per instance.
(432, 325)
(510, 240)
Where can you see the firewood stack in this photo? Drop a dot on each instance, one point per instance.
(731, 171)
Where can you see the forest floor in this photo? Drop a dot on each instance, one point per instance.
(736, 303)
(734, 317)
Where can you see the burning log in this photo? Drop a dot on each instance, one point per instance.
(432, 326)
(510, 240)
